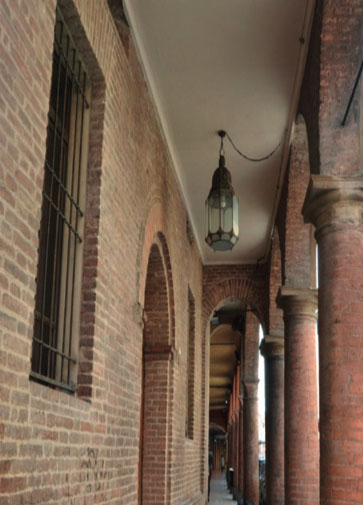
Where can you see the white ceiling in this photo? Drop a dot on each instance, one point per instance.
(225, 64)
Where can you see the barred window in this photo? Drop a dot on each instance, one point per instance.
(189, 417)
(58, 291)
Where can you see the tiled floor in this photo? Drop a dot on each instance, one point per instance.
(219, 494)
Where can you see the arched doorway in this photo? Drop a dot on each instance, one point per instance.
(155, 398)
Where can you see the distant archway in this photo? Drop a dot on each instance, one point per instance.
(242, 453)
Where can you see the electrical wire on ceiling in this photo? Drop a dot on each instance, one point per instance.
(223, 133)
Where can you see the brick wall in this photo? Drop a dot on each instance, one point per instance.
(298, 236)
(275, 321)
(335, 53)
(83, 448)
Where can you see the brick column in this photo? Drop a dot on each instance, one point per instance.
(250, 446)
(301, 400)
(240, 453)
(272, 348)
(236, 454)
(335, 206)
(230, 449)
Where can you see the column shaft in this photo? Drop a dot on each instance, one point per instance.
(335, 206)
(236, 454)
(240, 454)
(230, 451)
(301, 399)
(341, 368)
(274, 396)
(250, 428)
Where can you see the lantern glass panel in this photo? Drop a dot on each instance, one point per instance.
(214, 214)
(227, 214)
(235, 216)
(206, 215)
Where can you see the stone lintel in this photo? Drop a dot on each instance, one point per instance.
(272, 346)
(333, 200)
(298, 301)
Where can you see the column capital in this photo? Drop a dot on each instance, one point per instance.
(272, 347)
(250, 388)
(298, 301)
(333, 200)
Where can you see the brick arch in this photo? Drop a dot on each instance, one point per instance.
(153, 233)
(156, 305)
(229, 290)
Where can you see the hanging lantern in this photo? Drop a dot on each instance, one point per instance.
(221, 209)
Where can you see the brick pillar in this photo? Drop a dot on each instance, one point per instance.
(230, 449)
(335, 206)
(240, 453)
(272, 349)
(250, 446)
(301, 401)
(236, 432)
(236, 454)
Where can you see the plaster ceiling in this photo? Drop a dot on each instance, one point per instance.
(225, 64)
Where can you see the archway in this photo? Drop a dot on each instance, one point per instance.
(234, 343)
(156, 363)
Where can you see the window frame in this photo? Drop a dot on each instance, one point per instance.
(54, 356)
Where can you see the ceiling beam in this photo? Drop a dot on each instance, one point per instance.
(223, 343)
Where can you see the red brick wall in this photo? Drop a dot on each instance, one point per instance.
(57, 447)
(341, 55)
(251, 348)
(275, 322)
(298, 235)
(335, 53)
(309, 103)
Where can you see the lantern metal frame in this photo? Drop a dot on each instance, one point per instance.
(223, 199)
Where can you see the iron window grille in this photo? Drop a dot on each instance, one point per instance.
(189, 417)
(58, 284)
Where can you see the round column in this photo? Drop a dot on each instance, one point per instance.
(335, 206)
(272, 348)
(301, 398)
(250, 446)
(230, 453)
(240, 453)
(236, 455)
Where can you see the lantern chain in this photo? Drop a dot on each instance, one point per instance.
(223, 133)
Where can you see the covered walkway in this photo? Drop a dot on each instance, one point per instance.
(219, 494)
(132, 317)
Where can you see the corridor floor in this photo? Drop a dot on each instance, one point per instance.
(219, 494)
